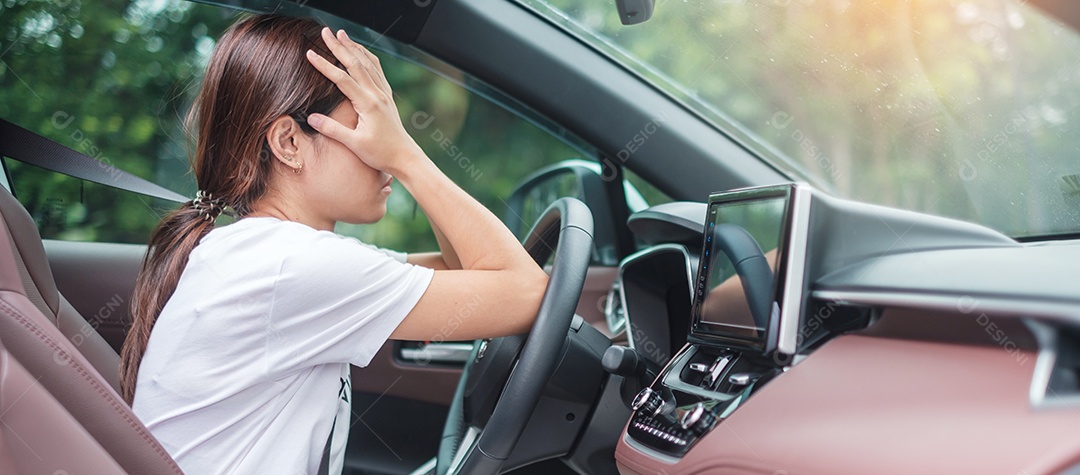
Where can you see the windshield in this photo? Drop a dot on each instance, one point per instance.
(965, 109)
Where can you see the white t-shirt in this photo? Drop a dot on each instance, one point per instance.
(247, 366)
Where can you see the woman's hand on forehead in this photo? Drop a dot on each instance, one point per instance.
(379, 138)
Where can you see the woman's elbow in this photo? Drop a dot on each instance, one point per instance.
(533, 289)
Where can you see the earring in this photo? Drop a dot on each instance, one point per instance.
(299, 166)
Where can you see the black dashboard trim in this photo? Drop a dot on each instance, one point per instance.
(628, 326)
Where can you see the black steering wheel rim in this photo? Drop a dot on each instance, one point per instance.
(566, 229)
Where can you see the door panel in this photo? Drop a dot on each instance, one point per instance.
(98, 280)
(387, 374)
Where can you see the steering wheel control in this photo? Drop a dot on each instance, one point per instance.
(700, 388)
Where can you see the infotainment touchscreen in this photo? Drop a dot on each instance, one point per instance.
(742, 297)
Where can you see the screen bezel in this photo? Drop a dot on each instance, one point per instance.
(781, 329)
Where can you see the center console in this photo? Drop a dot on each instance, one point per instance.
(744, 320)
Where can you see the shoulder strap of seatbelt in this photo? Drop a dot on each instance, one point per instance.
(28, 147)
(324, 465)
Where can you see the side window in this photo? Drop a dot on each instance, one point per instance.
(112, 82)
(484, 146)
(70, 209)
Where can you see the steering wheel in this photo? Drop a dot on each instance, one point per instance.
(505, 377)
(751, 265)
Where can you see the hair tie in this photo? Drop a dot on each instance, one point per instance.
(209, 208)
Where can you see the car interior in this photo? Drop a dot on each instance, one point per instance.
(711, 309)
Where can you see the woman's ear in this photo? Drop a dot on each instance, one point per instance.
(285, 137)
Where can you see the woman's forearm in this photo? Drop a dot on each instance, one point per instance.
(445, 259)
(477, 239)
(449, 255)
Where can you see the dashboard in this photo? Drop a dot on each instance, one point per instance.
(738, 298)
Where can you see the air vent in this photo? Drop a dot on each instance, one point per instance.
(1057, 372)
(1065, 374)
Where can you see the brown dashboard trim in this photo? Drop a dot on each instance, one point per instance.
(877, 404)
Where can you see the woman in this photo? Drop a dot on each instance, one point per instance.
(238, 358)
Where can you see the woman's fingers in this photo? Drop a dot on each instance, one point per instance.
(344, 81)
(362, 52)
(329, 127)
(357, 66)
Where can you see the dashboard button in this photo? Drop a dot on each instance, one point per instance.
(692, 416)
(648, 402)
(697, 420)
(739, 379)
(716, 370)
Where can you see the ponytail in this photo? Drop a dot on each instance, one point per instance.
(170, 245)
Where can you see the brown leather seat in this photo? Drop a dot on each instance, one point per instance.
(37, 279)
(38, 435)
(34, 339)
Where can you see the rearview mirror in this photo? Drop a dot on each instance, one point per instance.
(632, 12)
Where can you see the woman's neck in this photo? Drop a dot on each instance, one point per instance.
(274, 209)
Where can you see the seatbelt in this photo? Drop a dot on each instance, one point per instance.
(324, 465)
(30, 148)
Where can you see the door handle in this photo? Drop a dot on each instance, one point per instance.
(444, 353)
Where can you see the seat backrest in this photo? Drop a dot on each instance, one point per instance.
(47, 354)
(38, 435)
(37, 279)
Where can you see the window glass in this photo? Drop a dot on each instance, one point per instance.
(111, 80)
(480, 144)
(962, 108)
(652, 195)
(114, 80)
(70, 209)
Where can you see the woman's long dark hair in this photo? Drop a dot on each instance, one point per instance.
(257, 73)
